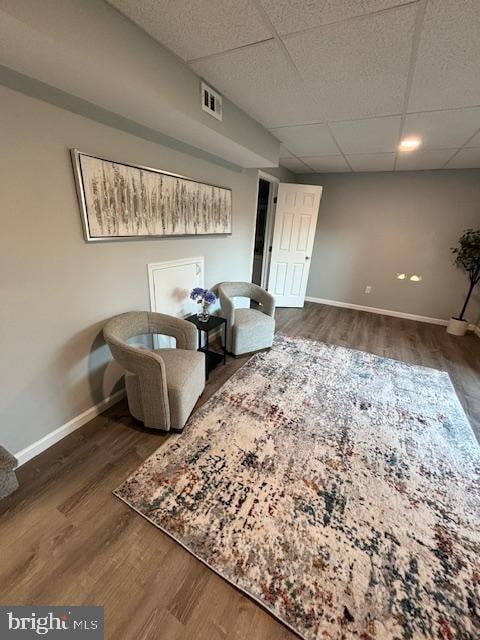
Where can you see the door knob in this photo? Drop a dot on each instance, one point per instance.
(307, 258)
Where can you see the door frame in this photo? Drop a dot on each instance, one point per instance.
(272, 195)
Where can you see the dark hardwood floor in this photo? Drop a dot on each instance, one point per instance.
(65, 539)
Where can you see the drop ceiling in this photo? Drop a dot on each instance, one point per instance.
(338, 82)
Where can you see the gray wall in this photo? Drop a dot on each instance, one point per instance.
(57, 290)
(372, 226)
(90, 51)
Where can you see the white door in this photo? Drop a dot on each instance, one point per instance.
(292, 244)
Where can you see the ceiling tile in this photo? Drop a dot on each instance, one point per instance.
(475, 141)
(295, 165)
(424, 159)
(259, 80)
(326, 164)
(443, 129)
(447, 69)
(372, 161)
(357, 68)
(294, 15)
(284, 152)
(194, 28)
(466, 159)
(307, 140)
(367, 136)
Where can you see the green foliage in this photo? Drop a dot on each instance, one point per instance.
(467, 258)
(467, 254)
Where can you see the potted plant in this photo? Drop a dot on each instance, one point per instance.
(467, 258)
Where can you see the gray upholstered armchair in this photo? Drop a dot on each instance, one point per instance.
(162, 385)
(248, 330)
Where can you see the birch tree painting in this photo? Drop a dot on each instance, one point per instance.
(127, 201)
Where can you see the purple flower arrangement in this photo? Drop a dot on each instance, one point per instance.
(205, 297)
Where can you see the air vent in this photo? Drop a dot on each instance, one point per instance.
(211, 101)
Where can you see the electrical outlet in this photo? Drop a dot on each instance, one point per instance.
(368, 289)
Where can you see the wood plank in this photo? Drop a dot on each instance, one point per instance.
(65, 539)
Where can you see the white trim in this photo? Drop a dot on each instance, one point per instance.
(51, 438)
(269, 224)
(382, 312)
(159, 300)
(274, 182)
(386, 312)
(168, 264)
(267, 177)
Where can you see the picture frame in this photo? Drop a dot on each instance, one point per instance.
(124, 201)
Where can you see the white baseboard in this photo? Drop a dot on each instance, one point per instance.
(51, 438)
(382, 312)
(386, 312)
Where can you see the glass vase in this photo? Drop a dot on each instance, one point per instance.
(204, 314)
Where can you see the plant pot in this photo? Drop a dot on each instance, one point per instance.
(457, 327)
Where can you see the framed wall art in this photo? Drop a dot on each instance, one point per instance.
(120, 201)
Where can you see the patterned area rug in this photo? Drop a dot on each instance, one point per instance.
(337, 488)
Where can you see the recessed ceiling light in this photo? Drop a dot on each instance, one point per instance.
(409, 144)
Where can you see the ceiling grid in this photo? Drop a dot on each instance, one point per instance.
(339, 84)
(422, 5)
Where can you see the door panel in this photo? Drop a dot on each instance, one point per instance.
(297, 278)
(280, 278)
(303, 233)
(287, 226)
(293, 236)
